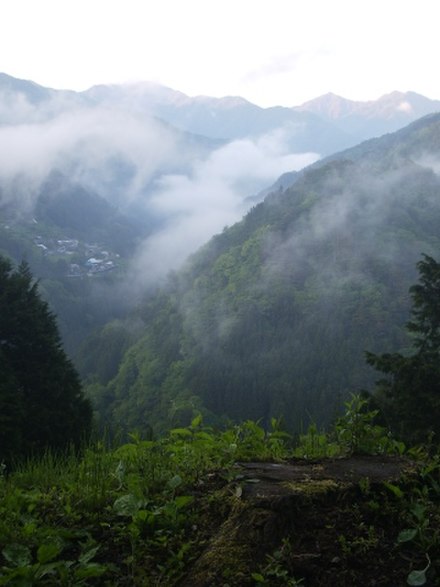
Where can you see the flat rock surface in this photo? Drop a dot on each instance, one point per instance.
(342, 469)
(325, 519)
(270, 479)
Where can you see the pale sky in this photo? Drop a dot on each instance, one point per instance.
(269, 51)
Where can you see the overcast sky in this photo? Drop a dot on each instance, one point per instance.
(268, 51)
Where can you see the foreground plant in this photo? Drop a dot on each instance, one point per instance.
(123, 515)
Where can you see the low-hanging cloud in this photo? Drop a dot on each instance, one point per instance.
(348, 223)
(81, 143)
(190, 188)
(359, 213)
(215, 194)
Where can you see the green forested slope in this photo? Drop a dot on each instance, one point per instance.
(273, 316)
(41, 400)
(66, 213)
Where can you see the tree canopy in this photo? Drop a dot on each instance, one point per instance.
(409, 395)
(41, 399)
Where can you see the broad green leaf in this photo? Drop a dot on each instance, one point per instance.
(144, 516)
(257, 577)
(120, 471)
(417, 578)
(127, 505)
(29, 528)
(183, 500)
(406, 535)
(175, 481)
(87, 556)
(18, 577)
(419, 511)
(184, 432)
(394, 489)
(255, 429)
(17, 554)
(196, 421)
(47, 552)
(280, 434)
(90, 570)
(59, 567)
(204, 436)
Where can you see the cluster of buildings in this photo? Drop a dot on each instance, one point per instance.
(86, 259)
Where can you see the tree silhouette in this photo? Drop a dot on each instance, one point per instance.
(41, 400)
(409, 395)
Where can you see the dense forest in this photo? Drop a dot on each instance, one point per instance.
(273, 316)
(42, 404)
(247, 505)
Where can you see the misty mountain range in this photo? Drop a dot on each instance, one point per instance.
(184, 166)
(273, 316)
(270, 316)
(324, 125)
(363, 120)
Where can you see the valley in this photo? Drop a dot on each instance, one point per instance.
(219, 339)
(281, 306)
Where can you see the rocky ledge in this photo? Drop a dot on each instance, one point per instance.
(331, 522)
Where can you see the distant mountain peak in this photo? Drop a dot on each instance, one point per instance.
(34, 92)
(330, 106)
(225, 103)
(409, 105)
(328, 96)
(371, 118)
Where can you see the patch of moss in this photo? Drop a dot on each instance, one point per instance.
(313, 487)
(230, 555)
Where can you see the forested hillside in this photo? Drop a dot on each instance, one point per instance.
(198, 505)
(69, 226)
(42, 404)
(273, 316)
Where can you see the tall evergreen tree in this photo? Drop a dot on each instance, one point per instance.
(409, 395)
(41, 400)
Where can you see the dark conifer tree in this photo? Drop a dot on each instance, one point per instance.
(41, 400)
(409, 395)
